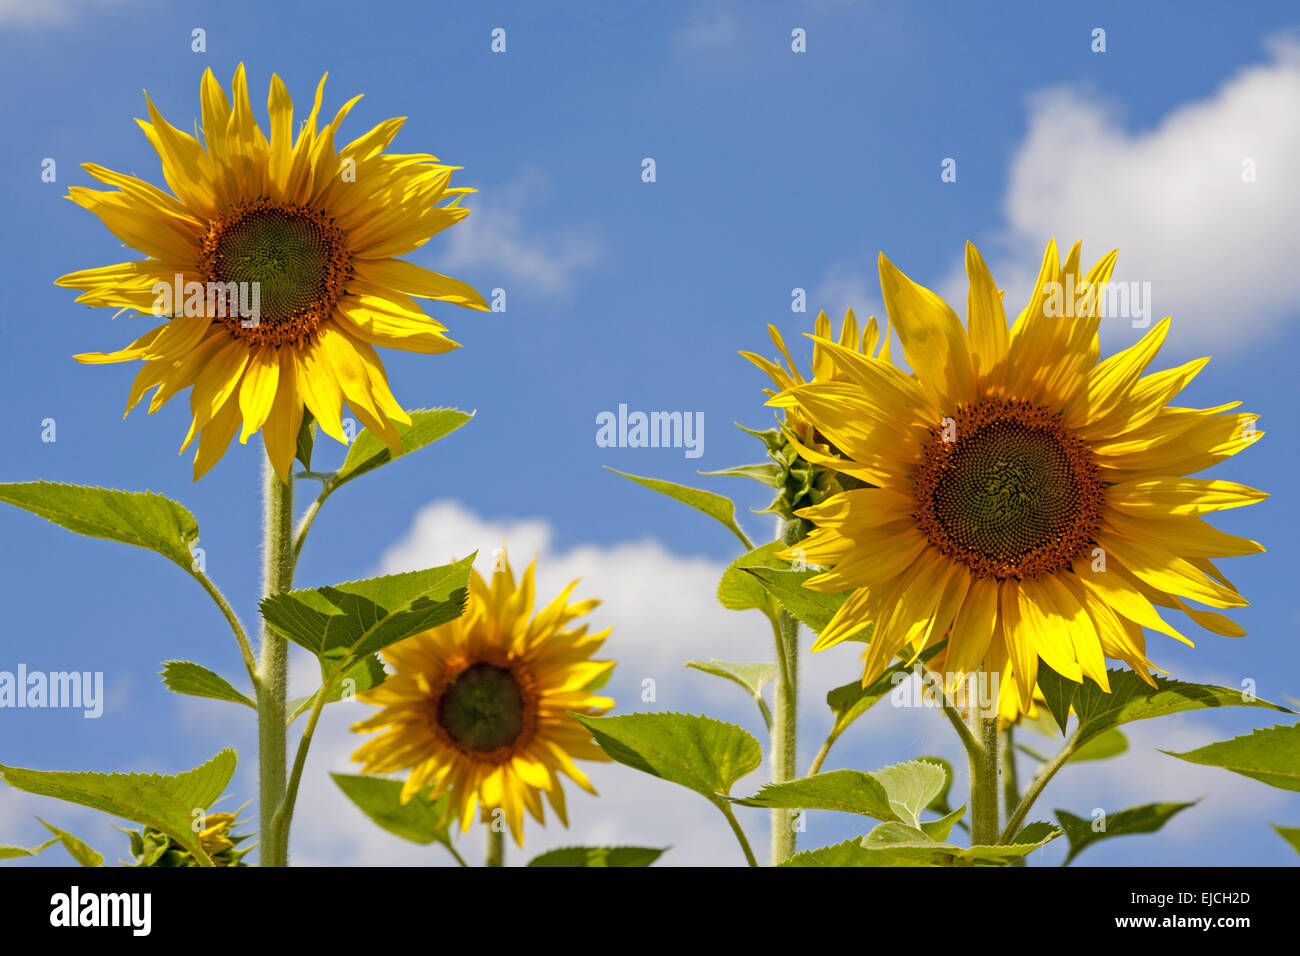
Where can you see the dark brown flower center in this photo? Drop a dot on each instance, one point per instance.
(1008, 490)
(289, 261)
(485, 709)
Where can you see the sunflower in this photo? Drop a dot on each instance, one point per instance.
(1029, 502)
(273, 262)
(479, 707)
(822, 368)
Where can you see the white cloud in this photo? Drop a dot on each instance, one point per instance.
(1219, 252)
(496, 236)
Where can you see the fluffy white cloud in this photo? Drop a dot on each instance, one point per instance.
(1217, 250)
(1175, 199)
(496, 236)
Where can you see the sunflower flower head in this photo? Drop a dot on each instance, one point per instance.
(151, 847)
(479, 708)
(273, 261)
(799, 482)
(1027, 501)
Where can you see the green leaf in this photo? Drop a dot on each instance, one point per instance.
(306, 439)
(598, 856)
(1133, 699)
(700, 753)
(1109, 743)
(739, 591)
(344, 623)
(849, 791)
(367, 452)
(1058, 692)
(1147, 818)
(18, 852)
(895, 844)
(715, 506)
(1270, 755)
(186, 677)
(912, 786)
(768, 474)
(367, 673)
(812, 608)
(940, 803)
(941, 828)
(1290, 834)
(140, 518)
(166, 803)
(894, 794)
(1037, 832)
(80, 852)
(418, 820)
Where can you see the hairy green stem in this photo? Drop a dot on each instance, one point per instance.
(273, 669)
(785, 711)
(496, 845)
(1044, 776)
(985, 765)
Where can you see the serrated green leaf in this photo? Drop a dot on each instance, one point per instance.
(186, 677)
(1037, 832)
(895, 794)
(79, 851)
(911, 786)
(366, 673)
(717, 507)
(894, 844)
(940, 803)
(1132, 699)
(1290, 834)
(1270, 755)
(346, 622)
(139, 518)
(700, 753)
(367, 452)
(166, 803)
(584, 856)
(418, 820)
(1147, 818)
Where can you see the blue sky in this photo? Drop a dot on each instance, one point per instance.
(775, 170)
